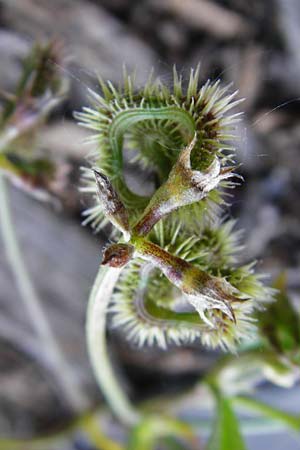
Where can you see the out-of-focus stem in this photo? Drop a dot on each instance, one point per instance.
(96, 338)
(63, 373)
(88, 424)
(250, 403)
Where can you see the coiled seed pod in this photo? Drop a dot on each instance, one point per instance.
(181, 280)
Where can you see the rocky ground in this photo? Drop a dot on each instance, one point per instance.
(255, 45)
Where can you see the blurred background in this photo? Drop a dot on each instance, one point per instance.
(254, 44)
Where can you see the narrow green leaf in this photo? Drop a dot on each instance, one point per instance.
(142, 436)
(290, 420)
(226, 433)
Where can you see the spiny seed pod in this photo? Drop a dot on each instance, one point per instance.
(157, 122)
(180, 279)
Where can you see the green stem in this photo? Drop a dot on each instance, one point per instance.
(250, 403)
(91, 427)
(96, 339)
(60, 368)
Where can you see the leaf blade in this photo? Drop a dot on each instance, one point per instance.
(226, 433)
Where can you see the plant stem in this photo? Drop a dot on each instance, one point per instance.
(96, 339)
(91, 427)
(250, 403)
(60, 368)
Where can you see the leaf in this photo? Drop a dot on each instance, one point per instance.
(142, 437)
(226, 433)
